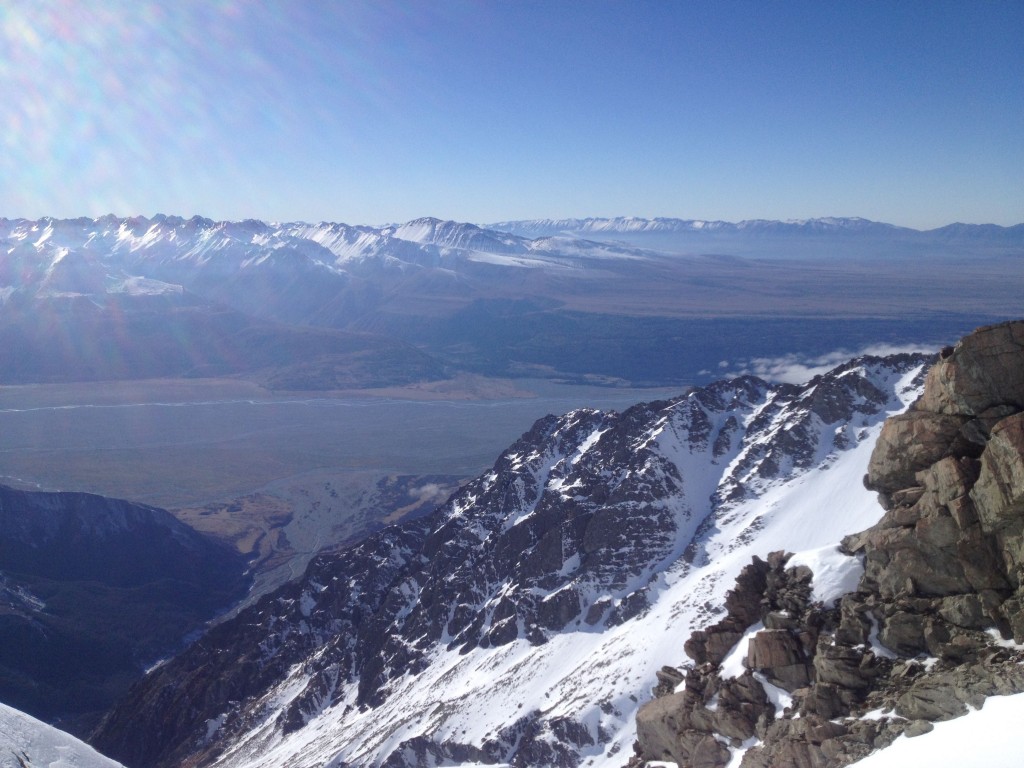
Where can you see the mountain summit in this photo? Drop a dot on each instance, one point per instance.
(933, 626)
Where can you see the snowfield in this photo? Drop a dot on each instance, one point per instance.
(986, 738)
(28, 743)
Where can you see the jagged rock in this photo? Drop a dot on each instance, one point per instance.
(983, 371)
(669, 678)
(826, 700)
(1012, 610)
(944, 564)
(848, 668)
(911, 442)
(744, 602)
(742, 704)
(743, 606)
(947, 480)
(854, 622)
(781, 620)
(797, 743)
(998, 494)
(918, 728)
(661, 728)
(779, 655)
(903, 632)
(899, 563)
(930, 700)
(974, 611)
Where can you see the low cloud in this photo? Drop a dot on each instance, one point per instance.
(797, 369)
(429, 492)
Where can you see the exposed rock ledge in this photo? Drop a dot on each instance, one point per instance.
(928, 631)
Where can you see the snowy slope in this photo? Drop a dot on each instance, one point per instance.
(596, 679)
(525, 621)
(986, 737)
(28, 743)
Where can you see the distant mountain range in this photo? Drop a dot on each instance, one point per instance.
(333, 306)
(821, 226)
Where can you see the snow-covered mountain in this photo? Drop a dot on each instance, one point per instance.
(161, 296)
(91, 256)
(526, 620)
(821, 661)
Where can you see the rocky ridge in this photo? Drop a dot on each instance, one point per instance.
(935, 624)
(395, 651)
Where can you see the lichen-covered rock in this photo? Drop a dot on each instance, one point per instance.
(911, 442)
(983, 371)
(998, 494)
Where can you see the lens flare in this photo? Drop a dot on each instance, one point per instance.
(110, 106)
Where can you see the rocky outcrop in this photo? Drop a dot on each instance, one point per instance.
(924, 636)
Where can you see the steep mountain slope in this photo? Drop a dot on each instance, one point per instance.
(524, 621)
(932, 626)
(92, 590)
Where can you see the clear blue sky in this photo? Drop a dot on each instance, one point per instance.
(373, 112)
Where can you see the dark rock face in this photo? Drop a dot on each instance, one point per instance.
(943, 577)
(566, 533)
(91, 591)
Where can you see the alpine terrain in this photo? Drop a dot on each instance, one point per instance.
(527, 619)
(92, 592)
(795, 674)
(29, 743)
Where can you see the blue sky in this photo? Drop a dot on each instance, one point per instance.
(906, 112)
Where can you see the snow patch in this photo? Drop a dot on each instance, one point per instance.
(732, 664)
(27, 741)
(835, 574)
(986, 737)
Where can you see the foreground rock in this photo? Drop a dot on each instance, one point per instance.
(924, 636)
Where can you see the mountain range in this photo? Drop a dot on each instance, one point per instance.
(333, 306)
(543, 614)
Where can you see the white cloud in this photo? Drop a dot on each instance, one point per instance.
(797, 369)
